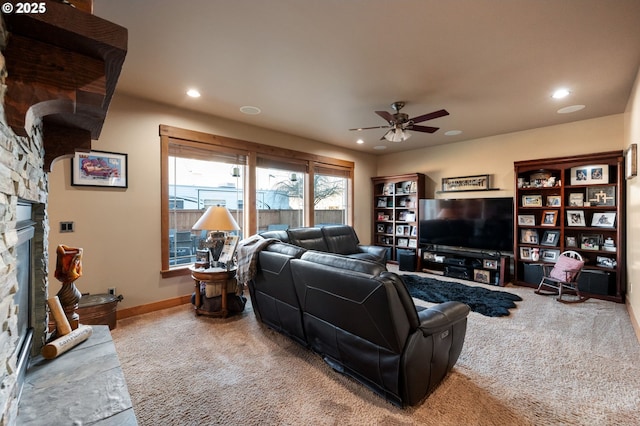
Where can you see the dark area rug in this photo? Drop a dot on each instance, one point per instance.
(491, 303)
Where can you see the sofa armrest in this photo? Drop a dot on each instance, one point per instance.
(442, 316)
(379, 252)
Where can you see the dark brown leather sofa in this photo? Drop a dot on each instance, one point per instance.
(340, 239)
(360, 318)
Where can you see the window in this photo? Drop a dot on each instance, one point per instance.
(330, 195)
(199, 170)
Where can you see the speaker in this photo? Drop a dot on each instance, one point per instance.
(407, 261)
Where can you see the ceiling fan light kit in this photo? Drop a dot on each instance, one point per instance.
(399, 123)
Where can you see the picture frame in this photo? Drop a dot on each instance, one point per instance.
(526, 220)
(380, 228)
(403, 242)
(550, 238)
(576, 199)
(570, 241)
(532, 200)
(382, 216)
(414, 231)
(529, 236)
(604, 219)
(525, 253)
(631, 161)
(575, 218)
(465, 183)
(549, 218)
(100, 169)
(402, 230)
(589, 175)
(550, 255)
(606, 262)
(228, 249)
(554, 201)
(602, 195)
(410, 217)
(590, 241)
(413, 243)
(382, 201)
(490, 264)
(481, 276)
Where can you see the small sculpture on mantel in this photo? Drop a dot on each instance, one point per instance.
(68, 270)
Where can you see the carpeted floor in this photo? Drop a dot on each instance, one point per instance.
(546, 364)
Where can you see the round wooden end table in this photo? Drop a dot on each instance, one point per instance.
(212, 277)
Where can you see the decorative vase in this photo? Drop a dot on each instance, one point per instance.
(535, 254)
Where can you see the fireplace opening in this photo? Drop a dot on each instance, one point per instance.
(24, 297)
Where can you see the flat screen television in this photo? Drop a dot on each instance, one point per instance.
(474, 223)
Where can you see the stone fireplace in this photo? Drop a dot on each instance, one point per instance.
(23, 182)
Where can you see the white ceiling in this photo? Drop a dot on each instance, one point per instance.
(317, 68)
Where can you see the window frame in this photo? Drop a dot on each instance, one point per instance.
(251, 151)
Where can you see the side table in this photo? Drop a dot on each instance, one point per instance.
(212, 276)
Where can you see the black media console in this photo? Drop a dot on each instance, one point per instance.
(488, 267)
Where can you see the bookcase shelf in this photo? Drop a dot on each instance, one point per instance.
(572, 203)
(396, 215)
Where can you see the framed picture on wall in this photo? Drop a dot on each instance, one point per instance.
(99, 168)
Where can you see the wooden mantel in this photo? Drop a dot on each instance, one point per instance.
(62, 68)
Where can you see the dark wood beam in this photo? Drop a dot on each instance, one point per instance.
(62, 69)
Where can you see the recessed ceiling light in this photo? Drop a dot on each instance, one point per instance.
(569, 109)
(250, 110)
(359, 141)
(453, 132)
(193, 93)
(561, 93)
(379, 147)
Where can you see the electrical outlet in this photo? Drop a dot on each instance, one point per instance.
(66, 227)
(112, 290)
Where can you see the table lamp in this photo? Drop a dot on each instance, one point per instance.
(216, 219)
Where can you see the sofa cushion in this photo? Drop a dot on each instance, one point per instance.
(309, 238)
(278, 235)
(341, 239)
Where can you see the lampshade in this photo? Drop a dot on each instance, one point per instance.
(397, 135)
(216, 218)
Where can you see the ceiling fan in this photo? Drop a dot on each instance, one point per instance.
(400, 122)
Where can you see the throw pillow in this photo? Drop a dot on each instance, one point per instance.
(566, 269)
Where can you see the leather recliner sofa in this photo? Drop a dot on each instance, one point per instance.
(340, 239)
(360, 318)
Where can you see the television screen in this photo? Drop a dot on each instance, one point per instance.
(476, 223)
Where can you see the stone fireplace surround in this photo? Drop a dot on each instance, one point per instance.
(22, 176)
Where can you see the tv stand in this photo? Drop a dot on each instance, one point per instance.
(487, 267)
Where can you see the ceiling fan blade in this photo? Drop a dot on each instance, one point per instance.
(430, 116)
(425, 129)
(386, 115)
(374, 127)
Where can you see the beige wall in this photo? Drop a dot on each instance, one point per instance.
(495, 155)
(119, 230)
(632, 135)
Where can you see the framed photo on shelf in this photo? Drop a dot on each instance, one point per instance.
(489, 263)
(570, 241)
(100, 168)
(550, 255)
(413, 243)
(604, 220)
(382, 201)
(526, 220)
(601, 196)
(575, 218)
(380, 228)
(525, 253)
(387, 189)
(529, 236)
(550, 238)
(554, 201)
(403, 242)
(590, 241)
(382, 216)
(481, 276)
(414, 231)
(402, 230)
(589, 175)
(576, 199)
(549, 218)
(532, 201)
